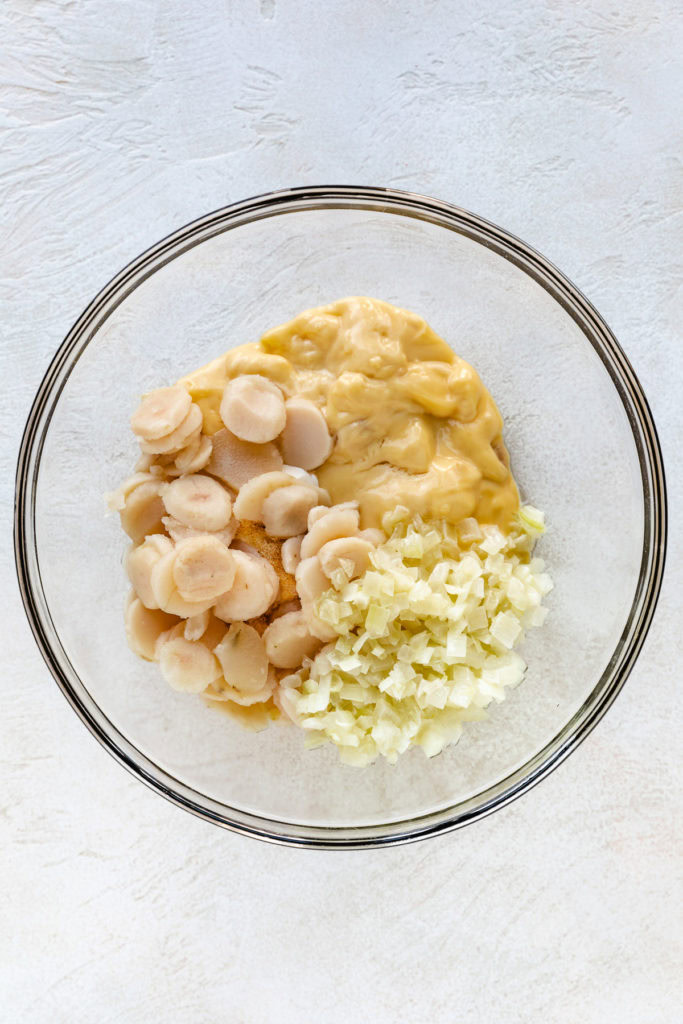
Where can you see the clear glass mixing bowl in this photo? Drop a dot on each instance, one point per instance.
(583, 446)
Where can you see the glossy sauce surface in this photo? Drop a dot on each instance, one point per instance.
(413, 425)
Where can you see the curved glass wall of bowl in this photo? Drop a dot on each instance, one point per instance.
(581, 438)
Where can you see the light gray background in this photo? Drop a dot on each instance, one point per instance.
(119, 122)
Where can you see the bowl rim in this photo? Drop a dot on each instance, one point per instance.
(596, 332)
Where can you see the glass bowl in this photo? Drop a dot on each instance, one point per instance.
(583, 446)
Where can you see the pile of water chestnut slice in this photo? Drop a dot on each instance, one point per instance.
(233, 540)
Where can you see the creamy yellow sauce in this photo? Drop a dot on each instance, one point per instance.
(412, 423)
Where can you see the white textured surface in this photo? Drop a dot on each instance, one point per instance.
(121, 121)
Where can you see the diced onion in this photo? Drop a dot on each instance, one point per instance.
(424, 639)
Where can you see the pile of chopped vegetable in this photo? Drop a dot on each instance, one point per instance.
(425, 638)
